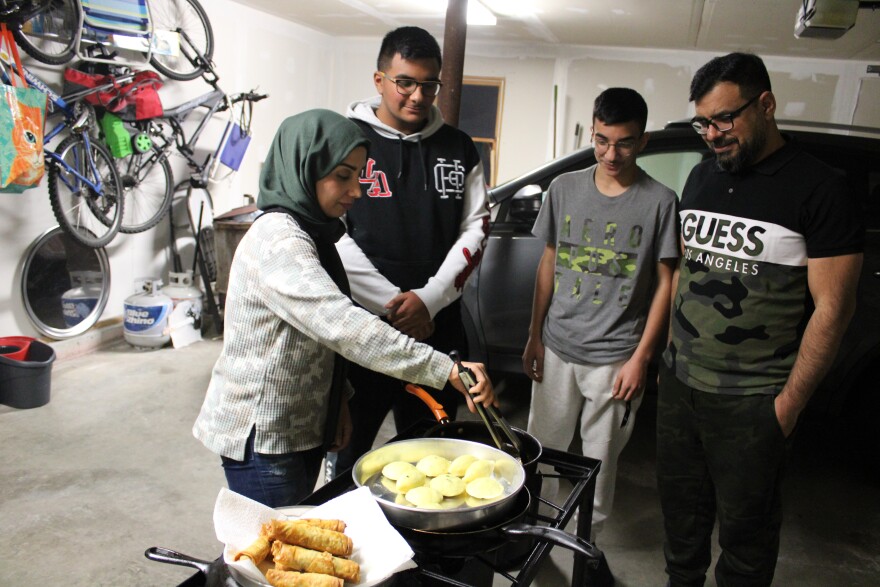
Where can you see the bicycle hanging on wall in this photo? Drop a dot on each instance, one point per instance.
(84, 187)
(176, 35)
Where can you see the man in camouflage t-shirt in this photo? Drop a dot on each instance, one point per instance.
(765, 290)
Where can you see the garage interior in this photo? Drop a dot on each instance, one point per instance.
(108, 467)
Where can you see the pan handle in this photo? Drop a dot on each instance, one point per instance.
(165, 555)
(429, 400)
(558, 537)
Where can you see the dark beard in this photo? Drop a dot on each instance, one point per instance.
(747, 153)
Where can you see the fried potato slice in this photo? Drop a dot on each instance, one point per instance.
(389, 484)
(424, 497)
(472, 501)
(484, 488)
(433, 465)
(396, 469)
(448, 485)
(449, 503)
(410, 480)
(477, 469)
(459, 465)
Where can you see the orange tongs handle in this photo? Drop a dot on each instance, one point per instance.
(429, 400)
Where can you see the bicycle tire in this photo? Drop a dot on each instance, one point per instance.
(187, 16)
(50, 35)
(148, 185)
(90, 218)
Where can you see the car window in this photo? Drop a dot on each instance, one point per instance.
(670, 169)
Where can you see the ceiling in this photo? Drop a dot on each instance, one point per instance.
(765, 27)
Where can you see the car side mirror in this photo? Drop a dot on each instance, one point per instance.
(526, 203)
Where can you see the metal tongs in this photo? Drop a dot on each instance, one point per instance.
(514, 446)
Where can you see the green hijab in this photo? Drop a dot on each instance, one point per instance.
(306, 148)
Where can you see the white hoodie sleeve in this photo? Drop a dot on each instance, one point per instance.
(446, 285)
(369, 288)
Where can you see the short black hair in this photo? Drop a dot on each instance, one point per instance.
(621, 105)
(746, 70)
(411, 42)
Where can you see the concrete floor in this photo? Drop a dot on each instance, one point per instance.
(109, 468)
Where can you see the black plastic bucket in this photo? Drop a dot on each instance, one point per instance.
(26, 383)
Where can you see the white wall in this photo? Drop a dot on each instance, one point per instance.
(253, 50)
(302, 69)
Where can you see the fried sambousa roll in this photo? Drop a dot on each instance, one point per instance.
(297, 558)
(302, 534)
(278, 578)
(257, 552)
(335, 525)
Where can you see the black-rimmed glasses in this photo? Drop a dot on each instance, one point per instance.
(722, 122)
(624, 147)
(406, 86)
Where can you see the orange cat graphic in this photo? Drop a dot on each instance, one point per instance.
(27, 137)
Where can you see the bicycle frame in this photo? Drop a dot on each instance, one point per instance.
(65, 106)
(213, 101)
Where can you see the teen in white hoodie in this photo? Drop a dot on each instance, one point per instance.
(419, 230)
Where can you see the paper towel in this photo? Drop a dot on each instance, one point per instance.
(378, 548)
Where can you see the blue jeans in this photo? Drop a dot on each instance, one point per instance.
(274, 480)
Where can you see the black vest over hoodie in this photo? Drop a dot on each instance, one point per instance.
(413, 201)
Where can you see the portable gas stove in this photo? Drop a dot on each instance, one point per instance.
(513, 560)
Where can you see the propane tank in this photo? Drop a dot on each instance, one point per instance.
(146, 315)
(80, 300)
(182, 291)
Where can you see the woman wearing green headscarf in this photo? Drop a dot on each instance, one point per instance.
(278, 395)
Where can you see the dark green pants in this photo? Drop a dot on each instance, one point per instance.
(719, 455)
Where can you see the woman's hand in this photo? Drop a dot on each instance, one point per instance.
(481, 392)
(343, 429)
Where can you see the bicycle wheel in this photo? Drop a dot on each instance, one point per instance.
(50, 36)
(148, 185)
(188, 18)
(90, 217)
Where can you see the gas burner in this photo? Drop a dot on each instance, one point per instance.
(516, 560)
(442, 561)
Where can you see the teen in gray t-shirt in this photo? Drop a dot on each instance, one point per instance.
(602, 292)
(607, 249)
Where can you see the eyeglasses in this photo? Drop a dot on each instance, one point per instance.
(406, 86)
(722, 122)
(624, 147)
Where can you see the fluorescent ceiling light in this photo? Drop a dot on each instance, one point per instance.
(477, 13)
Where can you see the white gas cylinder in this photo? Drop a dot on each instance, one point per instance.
(183, 293)
(145, 324)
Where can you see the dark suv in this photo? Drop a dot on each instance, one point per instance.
(498, 297)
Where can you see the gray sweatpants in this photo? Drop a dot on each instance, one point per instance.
(570, 393)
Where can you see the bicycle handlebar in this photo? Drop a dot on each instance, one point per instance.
(247, 96)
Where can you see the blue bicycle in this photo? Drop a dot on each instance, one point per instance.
(84, 187)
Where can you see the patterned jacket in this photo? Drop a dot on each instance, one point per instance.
(285, 319)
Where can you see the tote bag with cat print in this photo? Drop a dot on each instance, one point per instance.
(22, 112)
